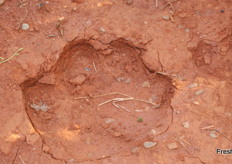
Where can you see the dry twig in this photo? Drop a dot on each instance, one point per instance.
(182, 142)
(207, 127)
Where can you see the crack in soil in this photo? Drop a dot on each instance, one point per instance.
(16, 154)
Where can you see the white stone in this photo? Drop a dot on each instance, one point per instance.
(149, 144)
(25, 26)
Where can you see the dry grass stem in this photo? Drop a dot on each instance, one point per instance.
(94, 66)
(15, 54)
(115, 101)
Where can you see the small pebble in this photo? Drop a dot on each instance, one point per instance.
(120, 79)
(102, 29)
(186, 124)
(129, 2)
(109, 120)
(166, 17)
(213, 134)
(127, 80)
(149, 144)
(180, 26)
(199, 92)
(134, 150)
(25, 26)
(87, 69)
(153, 131)
(146, 84)
(74, 9)
(193, 85)
(61, 18)
(187, 30)
(2, 2)
(117, 134)
(196, 103)
(172, 146)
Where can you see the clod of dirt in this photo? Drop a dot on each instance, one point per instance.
(203, 54)
(78, 80)
(32, 139)
(149, 144)
(172, 146)
(45, 148)
(224, 49)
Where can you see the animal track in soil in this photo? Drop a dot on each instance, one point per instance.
(63, 104)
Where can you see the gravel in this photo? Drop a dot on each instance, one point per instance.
(149, 144)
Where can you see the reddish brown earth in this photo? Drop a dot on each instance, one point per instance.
(98, 79)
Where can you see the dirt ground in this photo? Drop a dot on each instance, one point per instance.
(115, 81)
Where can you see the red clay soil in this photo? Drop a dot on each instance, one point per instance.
(108, 82)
